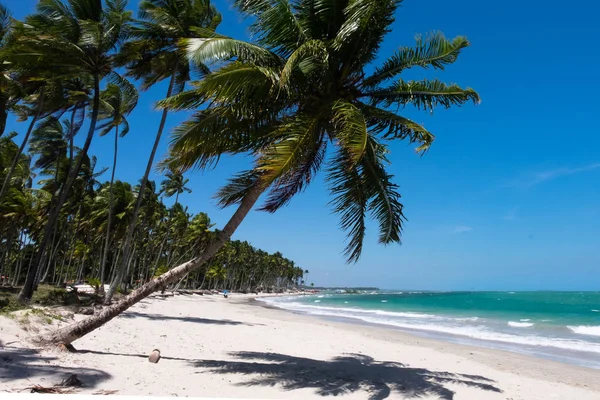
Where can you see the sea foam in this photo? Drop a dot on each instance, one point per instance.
(520, 324)
(585, 330)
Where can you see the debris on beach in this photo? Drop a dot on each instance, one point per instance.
(154, 356)
(66, 386)
(70, 381)
(49, 390)
(105, 392)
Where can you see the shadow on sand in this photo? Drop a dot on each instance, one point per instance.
(108, 353)
(195, 320)
(21, 363)
(343, 375)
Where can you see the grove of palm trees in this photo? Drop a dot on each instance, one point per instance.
(303, 98)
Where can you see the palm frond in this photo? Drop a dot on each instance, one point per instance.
(203, 139)
(365, 24)
(435, 51)
(128, 92)
(358, 188)
(238, 187)
(296, 136)
(423, 94)
(236, 81)
(350, 201)
(350, 129)
(209, 50)
(384, 199)
(313, 51)
(5, 21)
(392, 126)
(275, 24)
(298, 178)
(87, 9)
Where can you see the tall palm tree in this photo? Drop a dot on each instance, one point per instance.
(118, 101)
(42, 99)
(70, 39)
(153, 55)
(302, 89)
(174, 185)
(7, 84)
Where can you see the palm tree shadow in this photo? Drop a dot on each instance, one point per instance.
(20, 363)
(343, 375)
(195, 320)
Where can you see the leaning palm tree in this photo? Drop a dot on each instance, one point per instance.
(118, 101)
(70, 39)
(304, 90)
(153, 55)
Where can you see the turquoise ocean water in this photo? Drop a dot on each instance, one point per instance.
(564, 326)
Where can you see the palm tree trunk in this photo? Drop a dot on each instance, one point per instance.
(138, 203)
(22, 147)
(170, 252)
(79, 329)
(110, 209)
(27, 290)
(4, 258)
(3, 117)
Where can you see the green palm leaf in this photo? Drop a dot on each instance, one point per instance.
(238, 187)
(435, 51)
(358, 188)
(295, 137)
(424, 94)
(200, 141)
(237, 81)
(350, 129)
(208, 50)
(350, 201)
(393, 126)
(298, 178)
(314, 53)
(384, 200)
(275, 25)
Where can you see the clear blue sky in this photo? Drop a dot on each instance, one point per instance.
(507, 198)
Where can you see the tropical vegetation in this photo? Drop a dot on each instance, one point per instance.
(303, 98)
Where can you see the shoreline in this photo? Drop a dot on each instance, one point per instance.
(238, 348)
(540, 352)
(533, 366)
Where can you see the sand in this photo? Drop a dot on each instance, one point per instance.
(235, 348)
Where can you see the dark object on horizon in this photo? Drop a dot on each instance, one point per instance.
(154, 356)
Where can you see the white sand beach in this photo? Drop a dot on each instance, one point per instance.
(236, 348)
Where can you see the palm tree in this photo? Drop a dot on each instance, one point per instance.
(153, 56)
(117, 199)
(302, 89)
(175, 184)
(306, 91)
(42, 100)
(118, 102)
(8, 97)
(70, 39)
